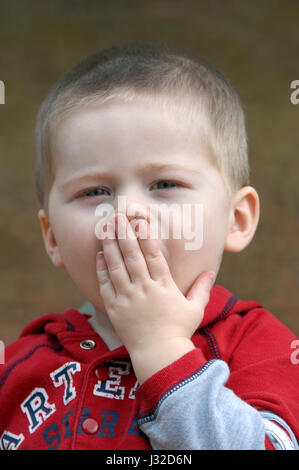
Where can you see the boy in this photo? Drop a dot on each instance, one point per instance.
(168, 361)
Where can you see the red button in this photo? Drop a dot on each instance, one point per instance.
(90, 426)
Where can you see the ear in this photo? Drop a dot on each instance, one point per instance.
(244, 217)
(49, 240)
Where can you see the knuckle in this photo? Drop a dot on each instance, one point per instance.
(147, 287)
(103, 277)
(110, 306)
(103, 282)
(144, 289)
(123, 301)
(153, 255)
(114, 268)
(133, 255)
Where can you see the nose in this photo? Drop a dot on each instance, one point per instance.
(132, 208)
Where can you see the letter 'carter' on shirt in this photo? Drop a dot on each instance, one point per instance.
(62, 388)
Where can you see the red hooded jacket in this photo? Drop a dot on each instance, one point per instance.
(62, 388)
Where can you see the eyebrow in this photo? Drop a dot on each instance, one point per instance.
(144, 169)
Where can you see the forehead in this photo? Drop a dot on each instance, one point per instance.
(129, 132)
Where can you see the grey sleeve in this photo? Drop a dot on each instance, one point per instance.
(201, 413)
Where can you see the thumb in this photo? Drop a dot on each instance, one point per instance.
(201, 287)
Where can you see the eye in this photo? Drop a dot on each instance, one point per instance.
(165, 183)
(95, 192)
(92, 192)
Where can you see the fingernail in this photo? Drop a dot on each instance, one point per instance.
(119, 218)
(100, 257)
(142, 229)
(212, 276)
(108, 230)
(141, 224)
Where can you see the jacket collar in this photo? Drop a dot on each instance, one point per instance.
(222, 303)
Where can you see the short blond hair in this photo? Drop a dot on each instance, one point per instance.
(164, 74)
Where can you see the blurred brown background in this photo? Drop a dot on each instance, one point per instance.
(255, 43)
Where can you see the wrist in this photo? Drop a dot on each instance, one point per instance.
(149, 359)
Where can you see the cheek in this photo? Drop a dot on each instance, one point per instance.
(214, 236)
(76, 240)
(78, 247)
(184, 265)
(208, 236)
(215, 222)
(184, 247)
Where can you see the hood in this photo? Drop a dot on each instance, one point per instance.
(221, 304)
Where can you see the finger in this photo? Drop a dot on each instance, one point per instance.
(117, 269)
(154, 258)
(106, 288)
(201, 288)
(130, 249)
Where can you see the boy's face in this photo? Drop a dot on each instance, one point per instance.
(120, 139)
